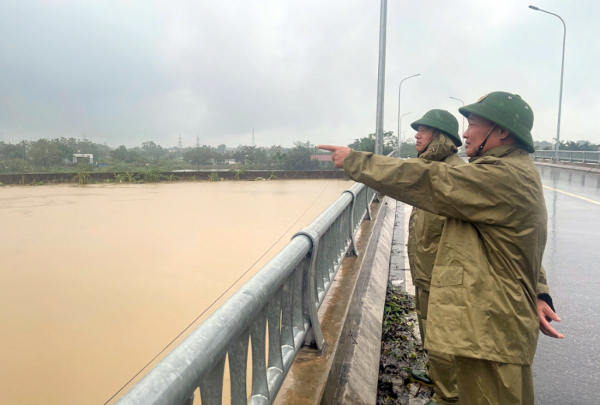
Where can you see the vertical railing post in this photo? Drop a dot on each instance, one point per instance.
(260, 385)
(311, 295)
(238, 364)
(367, 192)
(211, 386)
(353, 250)
(189, 401)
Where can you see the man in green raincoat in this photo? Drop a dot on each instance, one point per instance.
(437, 140)
(488, 297)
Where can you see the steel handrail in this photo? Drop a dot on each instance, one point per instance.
(568, 156)
(285, 294)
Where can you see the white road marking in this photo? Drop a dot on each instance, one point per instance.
(573, 195)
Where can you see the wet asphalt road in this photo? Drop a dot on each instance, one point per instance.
(567, 371)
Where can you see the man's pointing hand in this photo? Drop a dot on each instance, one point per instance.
(339, 154)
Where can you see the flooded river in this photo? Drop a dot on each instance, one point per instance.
(95, 281)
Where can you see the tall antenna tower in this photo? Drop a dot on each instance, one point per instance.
(253, 143)
(84, 137)
(197, 141)
(179, 143)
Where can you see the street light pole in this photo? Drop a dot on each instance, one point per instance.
(562, 70)
(400, 126)
(463, 117)
(399, 94)
(381, 79)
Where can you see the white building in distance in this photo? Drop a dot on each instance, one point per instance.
(78, 157)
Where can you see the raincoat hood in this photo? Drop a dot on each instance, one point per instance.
(440, 147)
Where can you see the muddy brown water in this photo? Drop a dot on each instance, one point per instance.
(96, 280)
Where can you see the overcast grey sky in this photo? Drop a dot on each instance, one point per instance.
(124, 72)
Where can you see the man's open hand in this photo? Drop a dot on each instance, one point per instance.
(544, 311)
(339, 154)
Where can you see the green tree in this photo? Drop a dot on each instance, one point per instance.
(245, 154)
(277, 155)
(120, 153)
(280, 158)
(261, 156)
(151, 150)
(15, 166)
(299, 157)
(65, 148)
(199, 155)
(44, 153)
(408, 150)
(11, 151)
(367, 144)
(577, 146)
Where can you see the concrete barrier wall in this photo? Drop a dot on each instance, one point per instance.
(201, 175)
(346, 371)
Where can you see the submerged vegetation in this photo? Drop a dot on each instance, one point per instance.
(238, 173)
(82, 176)
(126, 177)
(152, 176)
(401, 351)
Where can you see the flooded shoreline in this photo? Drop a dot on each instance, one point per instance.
(97, 280)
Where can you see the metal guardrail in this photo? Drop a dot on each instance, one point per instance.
(568, 156)
(282, 299)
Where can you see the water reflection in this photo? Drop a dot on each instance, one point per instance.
(573, 180)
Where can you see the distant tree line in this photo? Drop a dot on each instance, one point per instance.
(57, 155)
(47, 155)
(568, 145)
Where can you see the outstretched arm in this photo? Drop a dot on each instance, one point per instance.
(474, 193)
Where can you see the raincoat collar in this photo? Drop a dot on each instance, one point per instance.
(498, 151)
(439, 148)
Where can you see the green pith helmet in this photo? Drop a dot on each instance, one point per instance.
(509, 111)
(442, 120)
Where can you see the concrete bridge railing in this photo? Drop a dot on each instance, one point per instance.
(276, 310)
(568, 156)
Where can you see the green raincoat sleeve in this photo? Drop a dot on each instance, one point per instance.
(471, 192)
(478, 193)
(542, 287)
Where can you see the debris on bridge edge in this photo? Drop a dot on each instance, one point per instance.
(401, 351)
